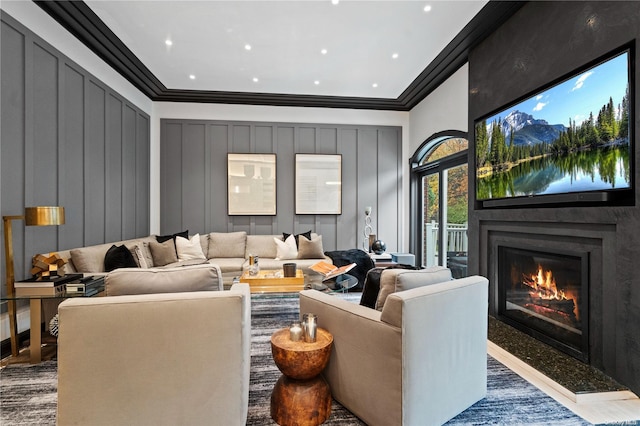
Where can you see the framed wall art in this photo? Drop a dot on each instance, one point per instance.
(251, 184)
(318, 184)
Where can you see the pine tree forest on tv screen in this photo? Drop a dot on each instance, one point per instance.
(572, 137)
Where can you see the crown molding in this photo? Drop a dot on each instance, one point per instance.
(78, 18)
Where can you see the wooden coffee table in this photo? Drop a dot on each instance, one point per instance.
(273, 281)
(301, 396)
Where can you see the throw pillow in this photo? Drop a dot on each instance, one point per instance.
(118, 257)
(141, 254)
(163, 238)
(132, 250)
(163, 253)
(286, 249)
(310, 248)
(297, 236)
(146, 253)
(89, 259)
(189, 249)
(227, 244)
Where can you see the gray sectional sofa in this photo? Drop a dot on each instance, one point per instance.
(227, 253)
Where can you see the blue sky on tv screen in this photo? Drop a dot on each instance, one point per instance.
(577, 97)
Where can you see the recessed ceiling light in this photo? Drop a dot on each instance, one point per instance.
(316, 82)
(394, 56)
(427, 8)
(192, 77)
(374, 85)
(335, 1)
(168, 42)
(247, 47)
(255, 79)
(323, 51)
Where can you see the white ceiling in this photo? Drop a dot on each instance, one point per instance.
(286, 39)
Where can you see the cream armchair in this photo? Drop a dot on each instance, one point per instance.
(161, 359)
(421, 361)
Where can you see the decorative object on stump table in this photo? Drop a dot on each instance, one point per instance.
(378, 247)
(309, 327)
(295, 332)
(301, 396)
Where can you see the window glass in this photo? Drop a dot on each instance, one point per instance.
(444, 149)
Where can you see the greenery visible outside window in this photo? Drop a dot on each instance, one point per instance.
(457, 211)
(445, 149)
(440, 169)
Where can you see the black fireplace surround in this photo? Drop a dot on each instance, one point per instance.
(546, 295)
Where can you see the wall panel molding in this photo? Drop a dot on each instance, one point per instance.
(65, 141)
(185, 182)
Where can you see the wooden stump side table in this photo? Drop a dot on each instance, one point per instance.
(301, 396)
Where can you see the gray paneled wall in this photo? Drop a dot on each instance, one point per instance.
(69, 140)
(193, 177)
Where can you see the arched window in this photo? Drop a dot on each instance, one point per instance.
(439, 202)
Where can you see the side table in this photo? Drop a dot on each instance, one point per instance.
(301, 396)
(382, 260)
(35, 295)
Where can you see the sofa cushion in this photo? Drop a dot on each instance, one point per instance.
(310, 249)
(118, 257)
(286, 249)
(229, 264)
(189, 249)
(163, 280)
(89, 259)
(163, 253)
(227, 244)
(297, 236)
(392, 280)
(262, 246)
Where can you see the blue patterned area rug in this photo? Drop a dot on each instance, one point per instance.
(28, 392)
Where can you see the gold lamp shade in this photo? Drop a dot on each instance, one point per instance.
(43, 216)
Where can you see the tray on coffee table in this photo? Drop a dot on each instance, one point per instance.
(273, 281)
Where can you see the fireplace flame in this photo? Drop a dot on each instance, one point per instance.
(543, 288)
(544, 285)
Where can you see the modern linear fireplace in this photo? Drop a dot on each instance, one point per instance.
(545, 294)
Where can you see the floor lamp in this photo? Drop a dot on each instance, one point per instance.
(33, 216)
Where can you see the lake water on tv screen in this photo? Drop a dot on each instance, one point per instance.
(577, 172)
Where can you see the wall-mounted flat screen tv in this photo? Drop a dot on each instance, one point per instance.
(570, 142)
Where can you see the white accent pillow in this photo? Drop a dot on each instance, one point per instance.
(286, 249)
(189, 249)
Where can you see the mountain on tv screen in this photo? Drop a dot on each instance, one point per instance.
(573, 137)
